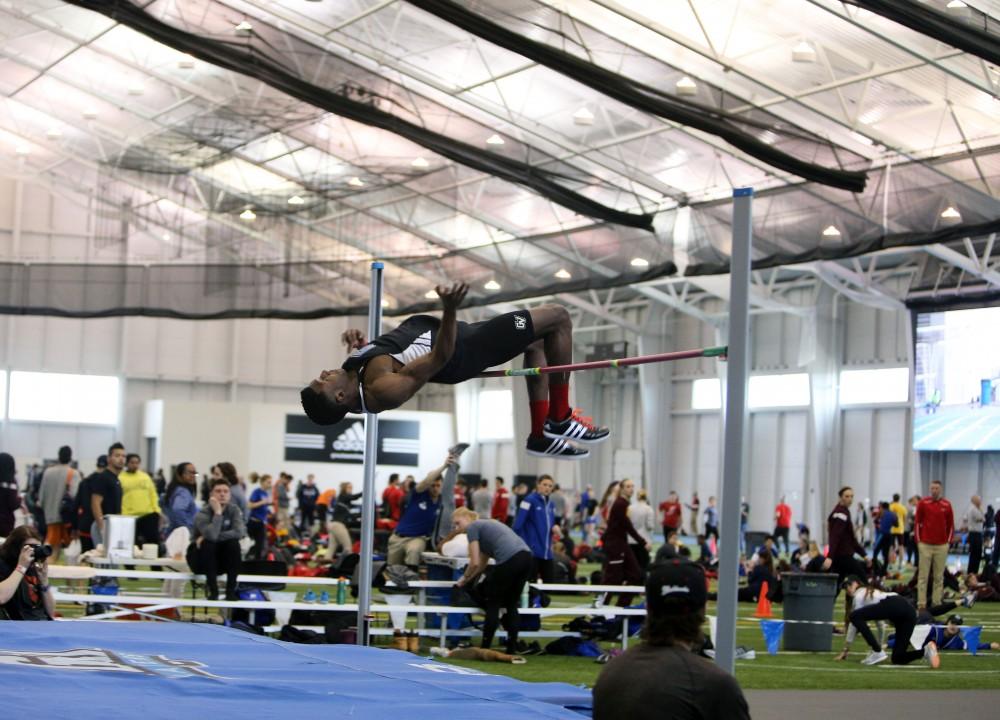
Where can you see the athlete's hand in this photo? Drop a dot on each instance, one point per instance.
(353, 339)
(452, 295)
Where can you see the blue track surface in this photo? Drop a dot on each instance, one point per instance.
(957, 427)
(101, 670)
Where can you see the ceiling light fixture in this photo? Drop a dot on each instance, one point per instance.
(244, 28)
(639, 262)
(950, 213)
(686, 86)
(563, 274)
(53, 133)
(248, 215)
(186, 62)
(956, 5)
(420, 163)
(296, 200)
(431, 294)
(804, 52)
(494, 139)
(22, 150)
(135, 90)
(385, 303)
(89, 113)
(583, 116)
(492, 285)
(831, 231)
(356, 182)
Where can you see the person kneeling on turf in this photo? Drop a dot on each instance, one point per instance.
(662, 676)
(502, 588)
(868, 603)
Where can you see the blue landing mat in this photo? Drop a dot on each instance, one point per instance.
(101, 670)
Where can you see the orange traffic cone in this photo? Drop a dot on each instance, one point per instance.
(763, 604)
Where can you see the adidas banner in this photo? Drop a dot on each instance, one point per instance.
(398, 441)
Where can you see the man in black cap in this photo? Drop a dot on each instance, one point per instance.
(662, 672)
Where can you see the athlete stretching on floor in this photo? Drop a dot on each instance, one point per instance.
(386, 372)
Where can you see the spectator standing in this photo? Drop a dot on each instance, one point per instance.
(861, 523)
(84, 509)
(782, 523)
(643, 518)
(911, 517)
(934, 527)
(10, 498)
(887, 521)
(178, 500)
(712, 520)
(534, 523)
(307, 495)
(106, 492)
(482, 498)
(663, 674)
(283, 502)
(620, 565)
(745, 523)
(520, 492)
(694, 507)
(58, 481)
(323, 503)
(218, 529)
(391, 498)
(500, 509)
(843, 543)
(899, 531)
(670, 511)
(975, 520)
(989, 530)
(559, 505)
(140, 500)
(259, 507)
(417, 522)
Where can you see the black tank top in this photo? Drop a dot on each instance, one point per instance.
(413, 338)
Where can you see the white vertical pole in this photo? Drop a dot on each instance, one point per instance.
(736, 415)
(368, 489)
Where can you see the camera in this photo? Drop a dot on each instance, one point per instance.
(41, 552)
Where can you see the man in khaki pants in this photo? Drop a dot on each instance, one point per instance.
(933, 528)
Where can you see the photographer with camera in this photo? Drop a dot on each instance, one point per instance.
(24, 588)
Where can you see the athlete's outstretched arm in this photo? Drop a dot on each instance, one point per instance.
(393, 389)
(353, 338)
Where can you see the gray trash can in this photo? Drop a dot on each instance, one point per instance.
(808, 596)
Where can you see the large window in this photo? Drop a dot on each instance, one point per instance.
(706, 394)
(771, 391)
(63, 398)
(496, 415)
(874, 385)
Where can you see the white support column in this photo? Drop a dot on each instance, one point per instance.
(371, 459)
(656, 404)
(736, 420)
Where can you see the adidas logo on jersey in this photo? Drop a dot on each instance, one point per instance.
(352, 439)
(520, 322)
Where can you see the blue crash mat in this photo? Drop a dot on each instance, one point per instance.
(98, 670)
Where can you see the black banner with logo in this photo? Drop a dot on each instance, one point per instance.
(398, 441)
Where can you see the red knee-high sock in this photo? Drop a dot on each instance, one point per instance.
(539, 411)
(558, 401)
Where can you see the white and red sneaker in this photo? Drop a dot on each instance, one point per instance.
(931, 655)
(577, 428)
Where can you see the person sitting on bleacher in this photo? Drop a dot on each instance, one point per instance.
(218, 529)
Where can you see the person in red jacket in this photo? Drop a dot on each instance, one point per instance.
(933, 528)
(620, 565)
(499, 510)
(671, 509)
(844, 545)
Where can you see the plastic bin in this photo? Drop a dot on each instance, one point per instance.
(809, 596)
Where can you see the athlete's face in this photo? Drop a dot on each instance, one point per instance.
(334, 384)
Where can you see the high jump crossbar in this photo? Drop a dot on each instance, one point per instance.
(719, 352)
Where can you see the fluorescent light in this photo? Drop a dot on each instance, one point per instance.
(494, 139)
(864, 140)
(296, 200)
(356, 182)
(22, 150)
(831, 231)
(244, 27)
(53, 133)
(186, 62)
(956, 5)
(563, 274)
(385, 303)
(420, 163)
(431, 294)
(583, 116)
(248, 214)
(135, 90)
(686, 86)
(89, 113)
(492, 285)
(639, 262)
(950, 213)
(804, 52)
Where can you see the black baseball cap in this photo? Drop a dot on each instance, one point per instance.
(102, 461)
(955, 619)
(675, 579)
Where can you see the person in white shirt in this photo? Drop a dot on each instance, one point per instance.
(869, 603)
(643, 519)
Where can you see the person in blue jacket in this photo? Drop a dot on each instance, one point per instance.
(534, 524)
(949, 637)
